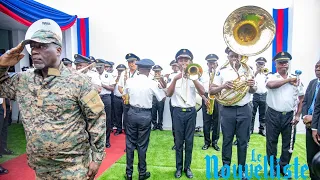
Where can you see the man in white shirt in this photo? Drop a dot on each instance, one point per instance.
(118, 101)
(107, 86)
(141, 90)
(183, 98)
(259, 97)
(131, 59)
(68, 63)
(158, 106)
(175, 69)
(211, 122)
(235, 118)
(284, 100)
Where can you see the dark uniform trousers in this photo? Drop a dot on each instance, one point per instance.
(211, 122)
(184, 121)
(259, 101)
(118, 110)
(137, 137)
(106, 99)
(112, 110)
(125, 115)
(3, 129)
(312, 150)
(235, 120)
(171, 112)
(279, 123)
(157, 112)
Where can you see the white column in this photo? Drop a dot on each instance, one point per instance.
(71, 42)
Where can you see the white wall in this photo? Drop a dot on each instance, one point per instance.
(158, 29)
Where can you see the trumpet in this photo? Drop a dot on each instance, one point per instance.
(193, 71)
(265, 71)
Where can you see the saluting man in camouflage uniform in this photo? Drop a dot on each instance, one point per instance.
(60, 111)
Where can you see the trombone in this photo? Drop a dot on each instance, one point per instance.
(193, 71)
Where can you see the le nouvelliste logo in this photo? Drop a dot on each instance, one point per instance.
(258, 168)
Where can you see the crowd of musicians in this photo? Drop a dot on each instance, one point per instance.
(134, 100)
(68, 114)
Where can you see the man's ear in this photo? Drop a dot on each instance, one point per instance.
(59, 51)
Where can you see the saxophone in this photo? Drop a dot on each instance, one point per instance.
(126, 96)
(210, 108)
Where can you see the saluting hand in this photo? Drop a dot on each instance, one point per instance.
(12, 57)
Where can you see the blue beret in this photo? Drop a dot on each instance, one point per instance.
(282, 56)
(145, 63)
(132, 57)
(80, 59)
(66, 61)
(121, 67)
(261, 59)
(157, 68)
(212, 57)
(184, 53)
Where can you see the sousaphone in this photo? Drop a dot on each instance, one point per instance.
(248, 31)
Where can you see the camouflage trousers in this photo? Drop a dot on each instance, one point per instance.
(76, 172)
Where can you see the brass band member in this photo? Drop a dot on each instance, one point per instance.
(118, 101)
(211, 120)
(131, 59)
(175, 69)
(183, 98)
(141, 90)
(280, 115)
(158, 106)
(235, 118)
(68, 63)
(259, 97)
(310, 114)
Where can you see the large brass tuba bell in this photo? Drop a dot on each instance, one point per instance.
(248, 31)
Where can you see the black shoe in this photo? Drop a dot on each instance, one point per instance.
(188, 173)
(262, 133)
(0, 155)
(178, 174)
(128, 177)
(251, 131)
(273, 172)
(216, 147)
(146, 176)
(154, 128)
(117, 133)
(205, 147)
(6, 152)
(173, 147)
(160, 128)
(244, 176)
(124, 150)
(3, 171)
(220, 173)
(108, 145)
(235, 142)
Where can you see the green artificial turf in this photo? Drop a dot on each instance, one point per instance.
(16, 142)
(161, 159)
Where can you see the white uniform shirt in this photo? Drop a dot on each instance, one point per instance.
(284, 98)
(129, 75)
(106, 79)
(1, 100)
(95, 79)
(229, 74)
(205, 79)
(171, 76)
(261, 83)
(184, 95)
(141, 90)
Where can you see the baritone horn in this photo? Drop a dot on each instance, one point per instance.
(210, 107)
(248, 31)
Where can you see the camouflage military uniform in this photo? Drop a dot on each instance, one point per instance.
(64, 121)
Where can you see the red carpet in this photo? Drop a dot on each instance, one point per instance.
(19, 169)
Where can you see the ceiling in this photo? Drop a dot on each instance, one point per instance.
(8, 23)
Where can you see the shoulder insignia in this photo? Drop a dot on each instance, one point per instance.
(218, 73)
(106, 76)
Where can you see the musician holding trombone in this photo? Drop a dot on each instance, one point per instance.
(182, 91)
(210, 109)
(283, 112)
(235, 115)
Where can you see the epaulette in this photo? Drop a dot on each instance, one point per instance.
(224, 67)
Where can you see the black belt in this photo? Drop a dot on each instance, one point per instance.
(105, 95)
(118, 97)
(235, 106)
(283, 113)
(185, 109)
(140, 109)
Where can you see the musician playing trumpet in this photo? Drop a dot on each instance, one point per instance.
(183, 98)
(236, 117)
(210, 116)
(158, 106)
(283, 110)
